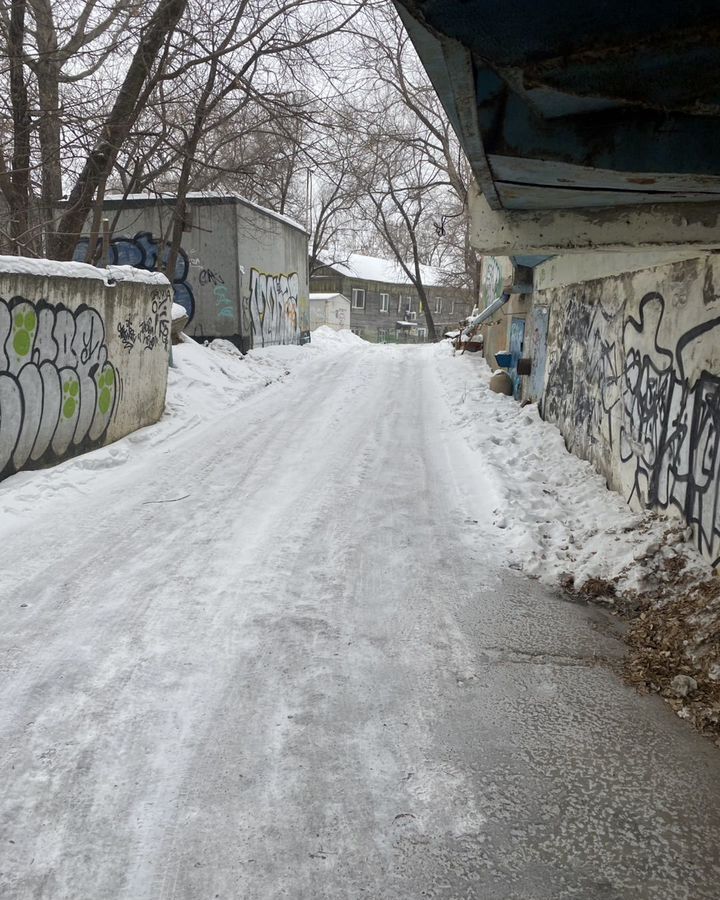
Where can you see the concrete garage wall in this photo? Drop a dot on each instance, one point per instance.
(83, 358)
(633, 383)
(242, 271)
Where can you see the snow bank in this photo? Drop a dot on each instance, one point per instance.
(208, 380)
(558, 520)
(51, 268)
(328, 338)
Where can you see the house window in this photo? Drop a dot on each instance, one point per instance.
(384, 302)
(358, 298)
(422, 333)
(408, 304)
(382, 332)
(452, 307)
(438, 305)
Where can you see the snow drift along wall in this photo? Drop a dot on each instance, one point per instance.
(633, 383)
(83, 357)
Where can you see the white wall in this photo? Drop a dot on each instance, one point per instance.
(335, 313)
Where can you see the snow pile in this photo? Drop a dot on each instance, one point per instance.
(326, 337)
(208, 380)
(51, 268)
(559, 522)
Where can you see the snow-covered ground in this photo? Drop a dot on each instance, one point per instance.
(204, 383)
(278, 646)
(553, 512)
(561, 525)
(559, 520)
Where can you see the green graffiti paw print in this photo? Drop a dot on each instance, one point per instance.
(71, 391)
(105, 384)
(24, 326)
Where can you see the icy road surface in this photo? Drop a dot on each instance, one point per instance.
(280, 656)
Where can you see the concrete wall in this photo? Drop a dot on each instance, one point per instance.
(83, 358)
(242, 273)
(496, 331)
(334, 312)
(633, 382)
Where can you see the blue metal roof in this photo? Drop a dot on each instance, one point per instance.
(579, 103)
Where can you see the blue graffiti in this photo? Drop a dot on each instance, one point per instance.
(142, 252)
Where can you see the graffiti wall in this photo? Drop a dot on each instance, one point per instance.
(274, 313)
(83, 360)
(143, 251)
(491, 278)
(633, 382)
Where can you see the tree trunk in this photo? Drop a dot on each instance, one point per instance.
(47, 70)
(19, 179)
(432, 334)
(120, 121)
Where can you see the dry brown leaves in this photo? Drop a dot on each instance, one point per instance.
(674, 629)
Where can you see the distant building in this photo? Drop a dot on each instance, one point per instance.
(384, 305)
(331, 309)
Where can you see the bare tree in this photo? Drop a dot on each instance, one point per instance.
(62, 64)
(410, 175)
(145, 68)
(335, 192)
(398, 200)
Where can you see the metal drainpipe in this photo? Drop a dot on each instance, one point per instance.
(487, 313)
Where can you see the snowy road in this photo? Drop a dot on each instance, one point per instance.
(314, 677)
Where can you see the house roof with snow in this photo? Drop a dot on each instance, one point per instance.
(387, 271)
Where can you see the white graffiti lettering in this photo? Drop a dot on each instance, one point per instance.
(274, 308)
(57, 387)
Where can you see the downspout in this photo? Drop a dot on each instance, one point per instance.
(520, 281)
(487, 313)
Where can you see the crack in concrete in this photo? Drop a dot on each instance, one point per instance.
(543, 658)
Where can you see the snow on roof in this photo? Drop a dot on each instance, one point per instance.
(373, 268)
(328, 296)
(279, 216)
(149, 196)
(53, 268)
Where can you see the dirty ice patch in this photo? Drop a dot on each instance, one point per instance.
(558, 520)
